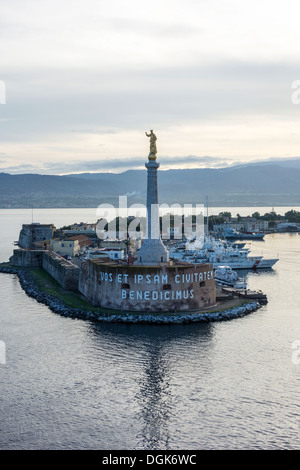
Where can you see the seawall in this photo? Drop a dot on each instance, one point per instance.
(57, 306)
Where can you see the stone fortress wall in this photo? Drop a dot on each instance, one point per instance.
(62, 270)
(35, 233)
(164, 288)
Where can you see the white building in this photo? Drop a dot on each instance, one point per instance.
(113, 254)
(246, 224)
(288, 227)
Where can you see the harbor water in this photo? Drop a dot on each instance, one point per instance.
(74, 384)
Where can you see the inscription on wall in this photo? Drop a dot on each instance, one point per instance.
(157, 280)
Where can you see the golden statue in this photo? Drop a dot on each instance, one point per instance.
(153, 149)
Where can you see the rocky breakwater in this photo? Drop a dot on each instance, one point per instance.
(56, 305)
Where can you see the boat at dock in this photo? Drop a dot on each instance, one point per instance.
(219, 253)
(226, 276)
(229, 233)
(246, 294)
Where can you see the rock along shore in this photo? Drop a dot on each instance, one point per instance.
(56, 305)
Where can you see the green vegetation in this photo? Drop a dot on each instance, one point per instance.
(271, 217)
(50, 286)
(225, 214)
(47, 284)
(293, 216)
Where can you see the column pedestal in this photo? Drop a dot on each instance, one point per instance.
(153, 251)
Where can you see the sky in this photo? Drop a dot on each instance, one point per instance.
(82, 81)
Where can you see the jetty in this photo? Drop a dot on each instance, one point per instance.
(259, 296)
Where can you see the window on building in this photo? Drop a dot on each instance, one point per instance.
(167, 287)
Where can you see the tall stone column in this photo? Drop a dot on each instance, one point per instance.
(152, 200)
(153, 251)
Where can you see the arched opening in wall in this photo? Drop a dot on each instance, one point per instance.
(125, 286)
(166, 287)
(202, 284)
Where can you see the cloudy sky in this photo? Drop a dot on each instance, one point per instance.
(85, 79)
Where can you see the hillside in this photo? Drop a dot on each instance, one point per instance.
(260, 184)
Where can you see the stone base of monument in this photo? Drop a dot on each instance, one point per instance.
(165, 288)
(152, 253)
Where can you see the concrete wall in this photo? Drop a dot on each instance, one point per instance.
(148, 288)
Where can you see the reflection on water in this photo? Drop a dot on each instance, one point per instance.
(155, 398)
(71, 384)
(155, 350)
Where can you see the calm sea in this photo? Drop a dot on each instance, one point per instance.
(73, 384)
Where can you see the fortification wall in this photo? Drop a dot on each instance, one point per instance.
(32, 233)
(62, 270)
(165, 288)
(27, 258)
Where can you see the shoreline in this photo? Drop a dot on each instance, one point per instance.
(58, 306)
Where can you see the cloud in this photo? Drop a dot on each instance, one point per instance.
(117, 165)
(24, 168)
(95, 131)
(152, 28)
(212, 78)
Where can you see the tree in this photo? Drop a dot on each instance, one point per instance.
(225, 214)
(271, 216)
(292, 216)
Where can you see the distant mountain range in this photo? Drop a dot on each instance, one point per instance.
(265, 183)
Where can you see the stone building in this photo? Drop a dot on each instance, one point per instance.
(65, 247)
(162, 288)
(35, 234)
(83, 240)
